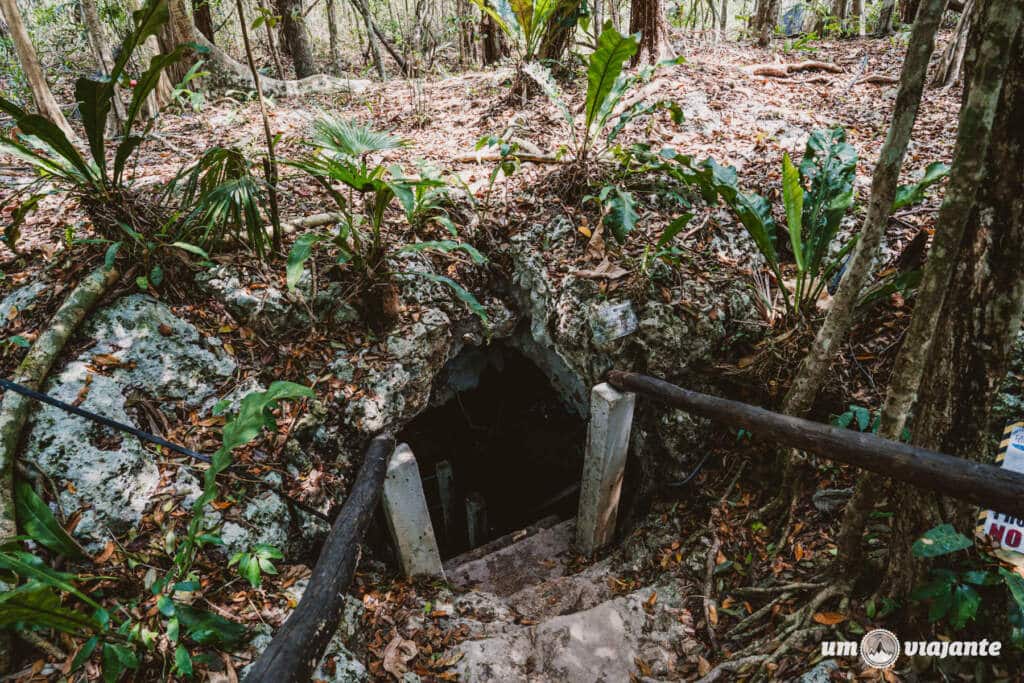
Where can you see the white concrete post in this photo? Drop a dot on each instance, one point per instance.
(611, 416)
(405, 507)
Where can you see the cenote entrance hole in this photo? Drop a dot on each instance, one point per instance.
(498, 452)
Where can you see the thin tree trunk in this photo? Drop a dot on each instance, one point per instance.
(766, 13)
(723, 20)
(858, 10)
(884, 27)
(100, 44)
(951, 67)
(971, 350)
(815, 366)
(203, 17)
(371, 39)
(561, 27)
(33, 70)
(908, 10)
(293, 29)
(648, 18)
(275, 54)
(969, 166)
(332, 29)
(493, 47)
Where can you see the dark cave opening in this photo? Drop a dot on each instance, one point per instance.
(499, 452)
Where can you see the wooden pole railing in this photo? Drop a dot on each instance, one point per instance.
(986, 485)
(299, 644)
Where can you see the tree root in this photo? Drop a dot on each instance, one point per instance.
(32, 371)
(731, 666)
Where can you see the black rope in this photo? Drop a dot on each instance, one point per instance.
(105, 421)
(138, 433)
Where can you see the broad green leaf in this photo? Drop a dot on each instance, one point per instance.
(674, 228)
(297, 257)
(192, 249)
(1015, 584)
(914, 192)
(604, 68)
(93, 98)
(52, 136)
(84, 654)
(793, 199)
(207, 628)
(940, 540)
(446, 246)
(33, 604)
(182, 660)
(620, 213)
(35, 518)
(29, 566)
(965, 605)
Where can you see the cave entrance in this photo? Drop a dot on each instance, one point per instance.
(499, 450)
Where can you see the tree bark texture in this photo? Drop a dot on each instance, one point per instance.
(766, 14)
(203, 17)
(648, 18)
(996, 35)
(884, 26)
(951, 67)
(295, 36)
(100, 44)
(46, 104)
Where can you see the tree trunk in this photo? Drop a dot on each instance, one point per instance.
(951, 67)
(648, 18)
(332, 29)
(884, 27)
(492, 41)
(561, 27)
(371, 39)
(723, 20)
(908, 10)
(275, 54)
(992, 46)
(858, 11)
(203, 16)
(766, 14)
(161, 94)
(178, 30)
(295, 37)
(45, 102)
(981, 316)
(100, 44)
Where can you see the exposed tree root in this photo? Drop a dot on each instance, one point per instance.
(731, 666)
(785, 70)
(32, 371)
(236, 74)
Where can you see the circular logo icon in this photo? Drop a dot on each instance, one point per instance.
(879, 648)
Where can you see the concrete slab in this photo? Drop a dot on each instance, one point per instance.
(611, 418)
(405, 508)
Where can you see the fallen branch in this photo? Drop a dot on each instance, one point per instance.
(878, 79)
(32, 372)
(314, 221)
(785, 70)
(731, 666)
(299, 644)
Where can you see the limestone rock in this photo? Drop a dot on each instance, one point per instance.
(107, 474)
(19, 300)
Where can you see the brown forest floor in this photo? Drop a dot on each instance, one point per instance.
(445, 118)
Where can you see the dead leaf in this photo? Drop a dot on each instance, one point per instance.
(105, 555)
(397, 655)
(106, 360)
(165, 329)
(703, 666)
(605, 270)
(829, 618)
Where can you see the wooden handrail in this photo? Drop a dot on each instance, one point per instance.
(986, 485)
(299, 644)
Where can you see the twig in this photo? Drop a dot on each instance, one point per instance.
(771, 590)
(709, 601)
(731, 666)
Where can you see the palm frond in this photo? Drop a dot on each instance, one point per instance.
(351, 138)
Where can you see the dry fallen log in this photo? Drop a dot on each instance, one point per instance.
(986, 485)
(878, 79)
(785, 70)
(299, 644)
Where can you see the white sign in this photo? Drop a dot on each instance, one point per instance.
(1007, 532)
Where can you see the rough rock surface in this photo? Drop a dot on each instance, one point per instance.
(145, 353)
(599, 644)
(19, 300)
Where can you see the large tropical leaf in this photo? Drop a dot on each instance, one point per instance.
(35, 518)
(94, 98)
(35, 604)
(147, 21)
(30, 567)
(149, 79)
(793, 199)
(914, 192)
(605, 67)
(53, 138)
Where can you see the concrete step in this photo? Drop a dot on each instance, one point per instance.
(539, 557)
